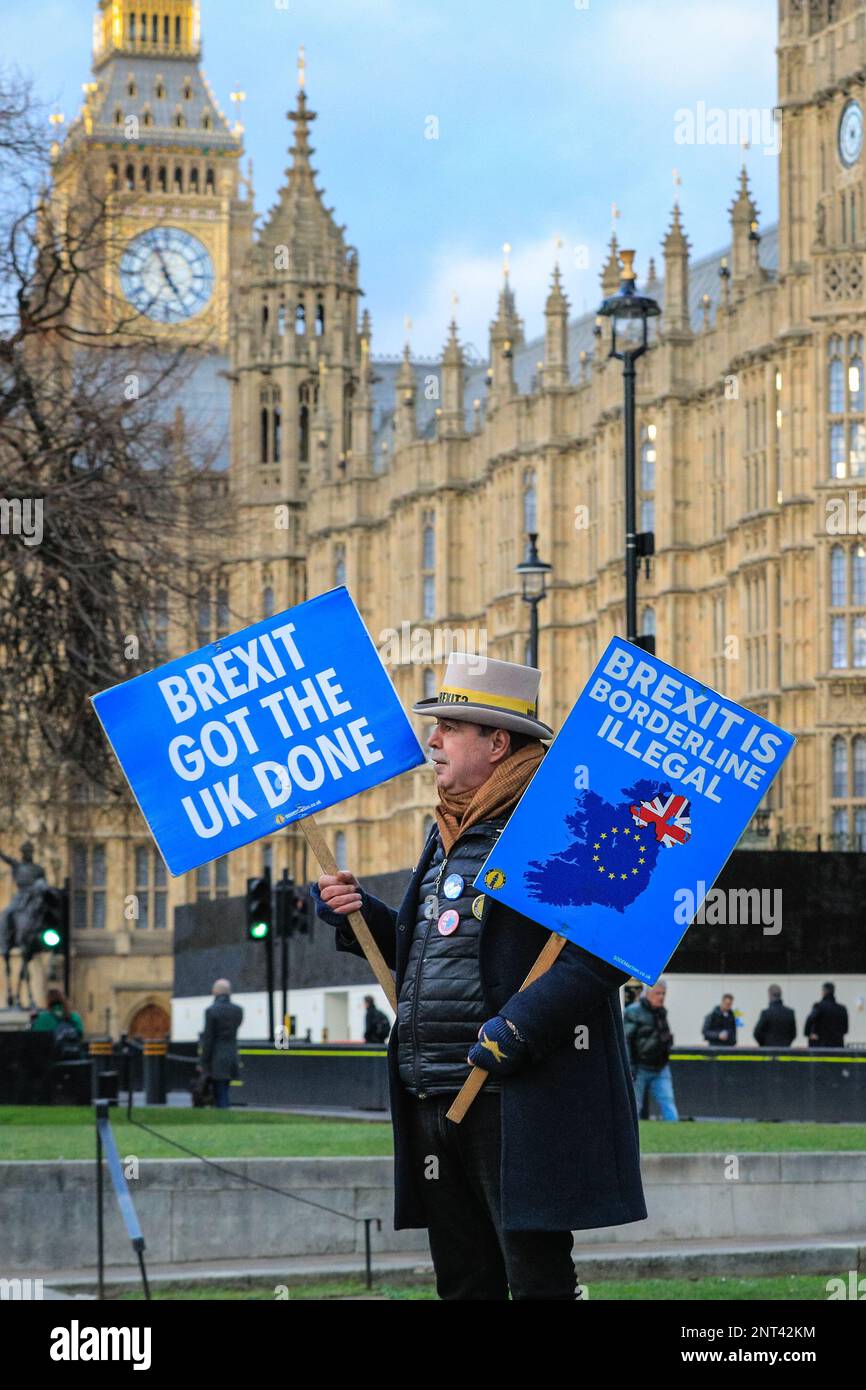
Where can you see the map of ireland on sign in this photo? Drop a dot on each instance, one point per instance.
(644, 792)
(612, 847)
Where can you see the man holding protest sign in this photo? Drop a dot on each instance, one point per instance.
(550, 1144)
(547, 882)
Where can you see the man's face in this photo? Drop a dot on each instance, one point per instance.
(463, 757)
(656, 996)
(727, 1003)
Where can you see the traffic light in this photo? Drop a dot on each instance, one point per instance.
(284, 889)
(54, 929)
(302, 913)
(294, 909)
(259, 908)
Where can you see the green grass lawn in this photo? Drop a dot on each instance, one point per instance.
(746, 1136)
(812, 1287)
(51, 1132)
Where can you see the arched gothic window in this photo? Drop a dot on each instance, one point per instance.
(840, 767)
(845, 406)
(265, 432)
(339, 564)
(277, 434)
(530, 502)
(647, 477)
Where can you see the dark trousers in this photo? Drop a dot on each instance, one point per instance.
(458, 1171)
(220, 1094)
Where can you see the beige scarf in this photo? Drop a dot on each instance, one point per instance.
(496, 797)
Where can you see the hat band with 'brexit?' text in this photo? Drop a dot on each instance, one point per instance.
(456, 696)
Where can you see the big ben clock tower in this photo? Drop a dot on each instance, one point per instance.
(152, 136)
(822, 94)
(151, 166)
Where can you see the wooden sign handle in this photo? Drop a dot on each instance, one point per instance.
(477, 1077)
(322, 850)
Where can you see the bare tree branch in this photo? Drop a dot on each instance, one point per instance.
(111, 508)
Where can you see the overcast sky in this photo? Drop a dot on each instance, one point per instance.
(548, 111)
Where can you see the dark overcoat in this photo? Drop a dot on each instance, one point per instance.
(829, 1020)
(776, 1026)
(570, 1155)
(219, 1049)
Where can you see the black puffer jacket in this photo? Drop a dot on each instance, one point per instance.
(441, 1004)
(569, 1123)
(648, 1038)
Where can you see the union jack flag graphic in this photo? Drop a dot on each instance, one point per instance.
(669, 817)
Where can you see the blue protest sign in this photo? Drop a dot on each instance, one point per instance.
(634, 810)
(256, 730)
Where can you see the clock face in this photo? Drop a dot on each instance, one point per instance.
(851, 133)
(167, 274)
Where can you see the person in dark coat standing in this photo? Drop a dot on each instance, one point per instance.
(377, 1025)
(777, 1026)
(550, 1144)
(219, 1049)
(720, 1024)
(827, 1024)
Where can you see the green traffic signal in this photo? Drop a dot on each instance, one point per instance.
(54, 927)
(259, 910)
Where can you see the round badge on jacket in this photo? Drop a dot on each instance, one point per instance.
(453, 886)
(448, 922)
(478, 906)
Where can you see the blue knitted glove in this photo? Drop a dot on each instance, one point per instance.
(498, 1049)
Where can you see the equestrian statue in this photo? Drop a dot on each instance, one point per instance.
(21, 921)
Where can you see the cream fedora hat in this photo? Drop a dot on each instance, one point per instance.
(500, 693)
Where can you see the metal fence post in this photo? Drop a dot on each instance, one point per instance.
(153, 1061)
(101, 1111)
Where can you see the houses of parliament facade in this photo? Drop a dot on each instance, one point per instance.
(416, 482)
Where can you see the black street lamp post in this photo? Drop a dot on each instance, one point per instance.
(624, 307)
(533, 577)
